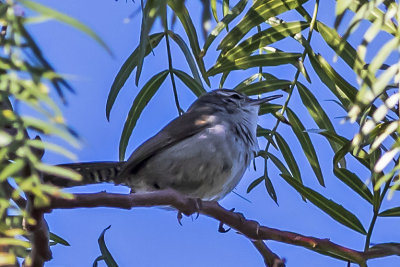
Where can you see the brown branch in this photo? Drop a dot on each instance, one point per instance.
(270, 258)
(188, 206)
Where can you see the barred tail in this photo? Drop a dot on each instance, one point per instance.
(92, 173)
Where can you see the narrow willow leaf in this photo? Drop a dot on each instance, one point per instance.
(345, 51)
(344, 91)
(126, 70)
(265, 87)
(247, 81)
(354, 182)
(140, 102)
(189, 59)
(236, 10)
(288, 156)
(267, 134)
(48, 12)
(49, 128)
(11, 169)
(149, 14)
(331, 208)
(306, 144)
(269, 108)
(42, 145)
(385, 159)
(278, 163)
(264, 38)
(393, 212)
(191, 83)
(318, 114)
(58, 239)
(105, 253)
(213, 5)
(376, 13)
(272, 59)
(257, 14)
(341, 6)
(270, 187)
(184, 17)
(58, 171)
(255, 183)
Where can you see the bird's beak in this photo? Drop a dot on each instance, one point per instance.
(265, 99)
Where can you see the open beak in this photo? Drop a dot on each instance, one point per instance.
(264, 99)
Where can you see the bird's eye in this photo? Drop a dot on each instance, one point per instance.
(236, 96)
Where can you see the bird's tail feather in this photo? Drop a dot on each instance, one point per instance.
(92, 173)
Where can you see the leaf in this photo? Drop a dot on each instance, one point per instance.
(354, 182)
(149, 14)
(11, 168)
(191, 83)
(48, 12)
(318, 114)
(58, 171)
(393, 212)
(269, 108)
(334, 210)
(344, 91)
(255, 183)
(288, 156)
(129, 65)
(272, 59)
(264, 38)
(306, 144)
(264, 87)
(236, 10)
(270, 188)
(257, 14)
(183, 15)
(189, 59)
(213, 5)
(140, 102)
(105, 253)
(58, 239)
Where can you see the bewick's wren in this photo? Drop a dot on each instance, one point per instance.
(203, 153)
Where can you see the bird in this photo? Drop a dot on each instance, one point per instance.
(202, 154)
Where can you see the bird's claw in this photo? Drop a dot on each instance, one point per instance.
(179, 217)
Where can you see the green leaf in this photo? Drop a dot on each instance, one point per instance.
(185, 49)
(354, 182)
(344, 91)
(236, 10)
(191, 83)
(334, 210)
(140, 102)
(51, 13)
(272, 59)
(318, 114)
(264, 38)
(11, 168)
(58, 171)
(255, 183)
(393, 212)
(58, 239)
(149, 14)
(270, 187)
(269, 108)
(184, 17)
(288, 156)
(213, 5)
(105, 253)
(306, 144)
(265, 87)
(126, 70)
(257, 14)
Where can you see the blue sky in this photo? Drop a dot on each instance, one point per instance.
(152, 236)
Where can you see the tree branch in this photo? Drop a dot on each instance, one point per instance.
(237, 221)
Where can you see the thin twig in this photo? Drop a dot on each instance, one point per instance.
(270, 258)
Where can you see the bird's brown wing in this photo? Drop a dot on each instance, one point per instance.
(182, 127)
